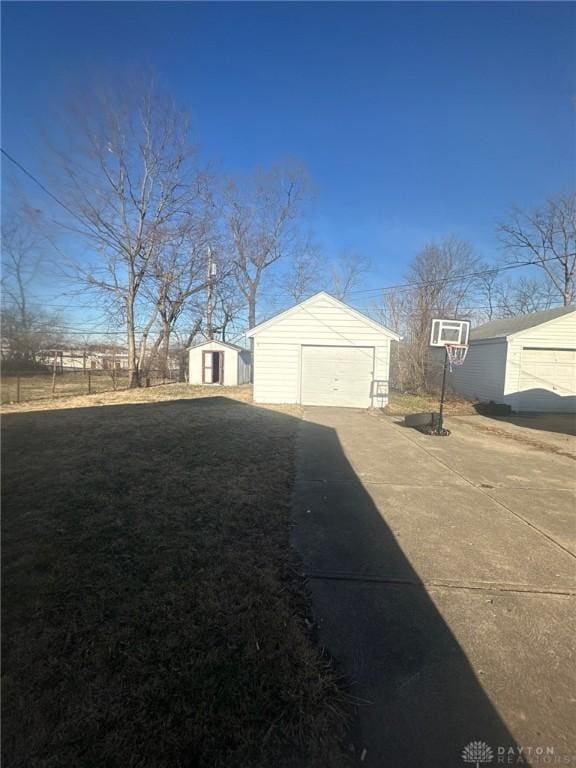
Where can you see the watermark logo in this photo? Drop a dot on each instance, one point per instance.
(477, 752)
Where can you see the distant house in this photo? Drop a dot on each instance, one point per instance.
(218, 362)
(322, 352)
(527, 362)
(83, 359)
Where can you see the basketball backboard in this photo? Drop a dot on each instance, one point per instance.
(449, 332)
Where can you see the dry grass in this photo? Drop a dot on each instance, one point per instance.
(37, 386)
(402, 403)
(153, 615)
(156, 394)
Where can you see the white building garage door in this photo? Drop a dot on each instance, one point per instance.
(547, 380)
(337, 376)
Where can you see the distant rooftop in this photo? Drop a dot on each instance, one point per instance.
(508, 325)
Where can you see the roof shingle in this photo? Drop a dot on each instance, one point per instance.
(506, 326)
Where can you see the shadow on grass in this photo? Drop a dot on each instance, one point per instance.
(152, 617)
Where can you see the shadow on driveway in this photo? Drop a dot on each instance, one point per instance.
(420, 702)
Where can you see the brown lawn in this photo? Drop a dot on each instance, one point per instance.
(153, 610)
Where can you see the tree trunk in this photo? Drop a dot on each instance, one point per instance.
(133, 369)
(252, 317)
(166, 331)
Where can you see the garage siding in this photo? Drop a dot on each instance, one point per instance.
(543, 382)
(276, 382)
(278, 350)
(483, 374)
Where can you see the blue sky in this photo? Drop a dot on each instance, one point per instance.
(414, 119)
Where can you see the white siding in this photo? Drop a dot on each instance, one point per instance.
(543, 381)
(278, 355)
(276, 372)
(483, 374)
(244, 367)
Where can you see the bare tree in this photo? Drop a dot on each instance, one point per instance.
(229, 307)
(305, 274)
(129, 178)
(504, 296)
(262, 214)
(547, 236)
(440, 286)
(347, 272)
(178, 274)
(26, 327)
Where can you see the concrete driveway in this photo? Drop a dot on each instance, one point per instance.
(442, 573)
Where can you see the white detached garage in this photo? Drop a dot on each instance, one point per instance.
(322, 352)
(527, 362)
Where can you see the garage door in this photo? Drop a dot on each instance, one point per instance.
(337, 376)
(547, 380)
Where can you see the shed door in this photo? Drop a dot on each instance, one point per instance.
(547, 380)
(337, 376)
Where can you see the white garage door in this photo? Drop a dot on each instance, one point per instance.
(337, 376)
(547, 379)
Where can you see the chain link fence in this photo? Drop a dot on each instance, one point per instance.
(24, 386)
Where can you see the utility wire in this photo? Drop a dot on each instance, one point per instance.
(443, 280)
(38, 182)
(382, 290)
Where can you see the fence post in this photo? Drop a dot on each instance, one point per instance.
(89, 383)
(18, 388)
(54, 374)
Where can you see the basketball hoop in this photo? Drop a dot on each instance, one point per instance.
(456, 354)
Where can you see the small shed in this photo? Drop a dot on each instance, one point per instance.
(527, 362)
(218, 362)
(322, 352)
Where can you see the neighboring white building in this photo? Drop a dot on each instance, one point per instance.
(322, 352)
(217, 362)
(527, 362)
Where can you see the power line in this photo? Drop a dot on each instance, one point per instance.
(443, 280)
(38, 182)
(401, 287)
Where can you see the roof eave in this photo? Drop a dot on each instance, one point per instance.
(276, 318)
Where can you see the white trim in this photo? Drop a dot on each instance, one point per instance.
(336, 303)
(217, 341)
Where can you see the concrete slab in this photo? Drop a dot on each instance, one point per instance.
(552, 511)
(367, 450)
(448, 612)
(440, 669)
(487, 459)
(457, 533)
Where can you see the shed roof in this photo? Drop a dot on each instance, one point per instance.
(221, 343)
(508, 326)
(333, 300)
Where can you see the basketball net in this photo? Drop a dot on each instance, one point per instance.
(456, 354)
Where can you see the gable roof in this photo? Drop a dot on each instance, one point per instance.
(312, 300)
(508, 326)
(217, 341)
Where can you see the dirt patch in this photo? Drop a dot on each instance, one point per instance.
(524, 439)
(153, 614)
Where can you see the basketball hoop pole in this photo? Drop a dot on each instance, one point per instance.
(440, 418)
